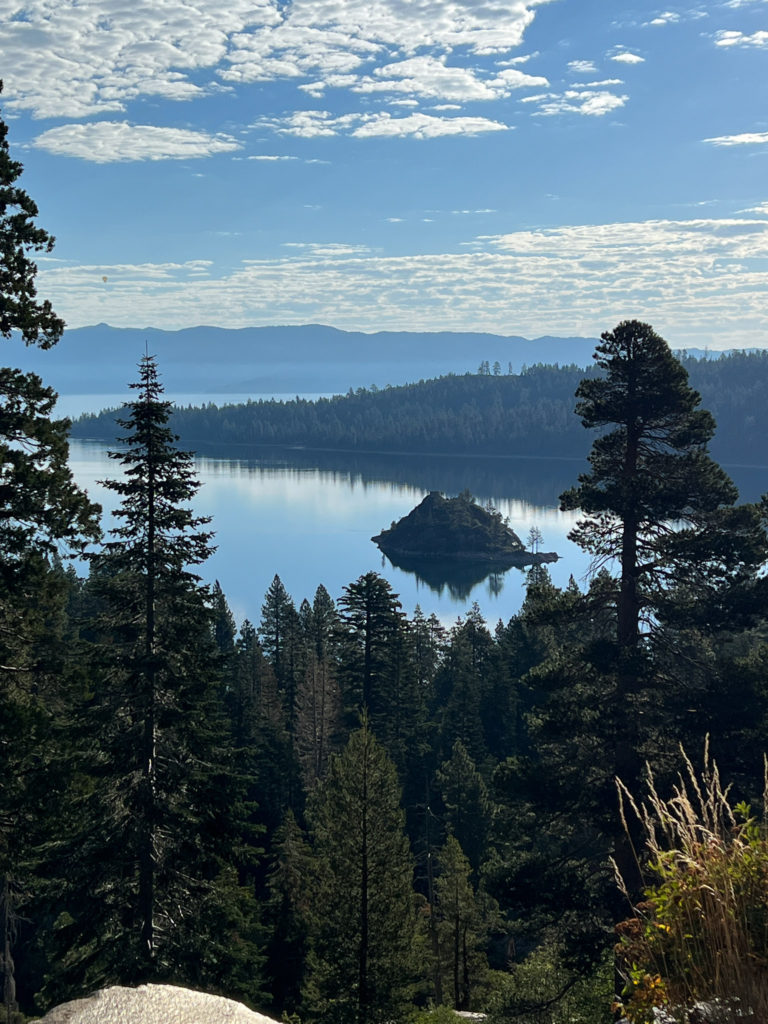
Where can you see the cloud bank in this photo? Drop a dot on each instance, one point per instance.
(685, 277)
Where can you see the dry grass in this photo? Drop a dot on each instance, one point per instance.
(697, 947)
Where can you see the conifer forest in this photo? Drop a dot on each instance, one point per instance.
(339, 813)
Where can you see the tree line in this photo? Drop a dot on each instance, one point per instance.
(530, 413)
(341, 813)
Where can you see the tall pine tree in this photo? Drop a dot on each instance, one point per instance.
(152, 888)
(40, 508)
(363, 915)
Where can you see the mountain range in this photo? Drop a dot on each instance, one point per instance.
(288, 360)
(310, 358)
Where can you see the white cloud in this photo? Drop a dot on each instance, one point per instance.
(733, 38)
(628, 58)
(512, 62)
(745, 139)
(104, 142)
(699, 282)
(75, 58)
(425, 126)
(317, 123)
(321, 249)
(583, 67)
(581, 101)
(665, 18)
(271, 158)
(761, 208)
(431, 78)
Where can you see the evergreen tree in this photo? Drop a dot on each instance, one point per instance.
(265, 753)
(318, 717)
(657, 504)
(363, 918)
(152, 888)
(371, 617)
(462, 931)
(288, 915)
(467, 805)
(462, 686)
(325, 625)
(224, 626)
(40, 509)
(653, 499)
(280, 635)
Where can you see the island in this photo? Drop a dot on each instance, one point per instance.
(451, 530)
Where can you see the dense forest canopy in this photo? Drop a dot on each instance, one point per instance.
(342, 814)
(530, 413)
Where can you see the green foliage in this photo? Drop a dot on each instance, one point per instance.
(540, 990)
(288, 915)
(467, 805)
(144, 874)
(523, 414)
(530, 413)
(650, 470)
(436, 1015)
(362, 928)
(41, 512)
(462, 931)
(20, 309)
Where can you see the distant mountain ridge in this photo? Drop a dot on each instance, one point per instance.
(266, 360)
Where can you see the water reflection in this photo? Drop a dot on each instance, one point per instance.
(459, 579)
(540, 482)
(309, 517)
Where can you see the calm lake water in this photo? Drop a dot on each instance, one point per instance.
(309, 517)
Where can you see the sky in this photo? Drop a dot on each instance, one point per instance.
(522, 167)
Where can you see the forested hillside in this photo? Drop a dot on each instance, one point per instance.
(268, 810)
(530, 413)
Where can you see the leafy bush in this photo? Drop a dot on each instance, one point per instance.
(539, 990)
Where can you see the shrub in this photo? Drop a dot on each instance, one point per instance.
(697, 946)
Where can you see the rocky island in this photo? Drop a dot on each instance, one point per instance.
(456, 530)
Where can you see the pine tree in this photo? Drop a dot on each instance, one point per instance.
(41, 509)
(467, 805)
(658, 505)
(288, 915)
(371, 616)
(280, 635)
(462, 931)
(653, 499)
(462, 684)
(363, 919)
(152, 887)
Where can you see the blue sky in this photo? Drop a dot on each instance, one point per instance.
(517, 167)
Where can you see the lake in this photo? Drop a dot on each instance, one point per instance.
(309, 516)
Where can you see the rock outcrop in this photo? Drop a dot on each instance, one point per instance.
(153, 1004)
